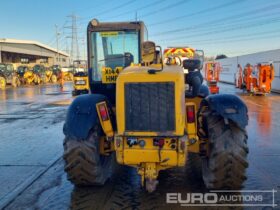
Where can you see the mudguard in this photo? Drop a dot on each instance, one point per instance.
(203, 91)
(228, 106)
(82, 116)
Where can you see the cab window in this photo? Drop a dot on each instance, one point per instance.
(113, 49)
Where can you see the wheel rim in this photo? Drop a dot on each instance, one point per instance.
(2, 83)
(54, 79)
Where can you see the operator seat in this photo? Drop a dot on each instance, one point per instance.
(193, 78)
(128, 59)
(114, 60)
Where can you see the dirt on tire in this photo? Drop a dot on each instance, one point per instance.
(83, 163)
(226, 164)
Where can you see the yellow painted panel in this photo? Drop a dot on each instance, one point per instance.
(109, 33)
(139, 74)
(137, 156)
(105, 124)
(110, 75)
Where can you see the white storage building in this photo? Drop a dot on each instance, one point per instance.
(229, 65)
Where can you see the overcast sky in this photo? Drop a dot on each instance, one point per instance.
(231, 27)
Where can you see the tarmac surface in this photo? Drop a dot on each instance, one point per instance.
(31, 167)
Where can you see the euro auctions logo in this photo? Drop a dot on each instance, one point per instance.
(253, 198)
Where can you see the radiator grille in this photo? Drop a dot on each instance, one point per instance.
(150, 106)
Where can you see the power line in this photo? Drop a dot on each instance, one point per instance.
(96, 6)
(111, 9)
(204, 11)
(209, 27)
(137, 9)
(245, 39)
(53, 39)
(233, 28)
(144, 7)
(251, 36)
(242, 52)
(171, 32)
(167, 7)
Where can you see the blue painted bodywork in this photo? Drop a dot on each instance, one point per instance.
(82, 116)
(228, 106)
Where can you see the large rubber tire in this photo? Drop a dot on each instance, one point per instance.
(15, 81)
(83, 163)
(2, 83)
(36, 79)
(44, 79)
(227, 162)
(54, 78)
(18, 82)
(71, 77)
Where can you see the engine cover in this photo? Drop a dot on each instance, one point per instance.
(151, 104)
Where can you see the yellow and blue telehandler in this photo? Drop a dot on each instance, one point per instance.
(140, 113)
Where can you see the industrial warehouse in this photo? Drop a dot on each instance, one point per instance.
(20, 52)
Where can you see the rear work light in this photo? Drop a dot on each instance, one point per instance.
(103, 112)
(190, 114)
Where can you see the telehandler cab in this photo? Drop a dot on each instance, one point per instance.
(138, 112)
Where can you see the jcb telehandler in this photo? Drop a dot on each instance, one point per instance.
(138, 112)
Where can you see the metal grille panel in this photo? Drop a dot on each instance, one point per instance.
(150, 106)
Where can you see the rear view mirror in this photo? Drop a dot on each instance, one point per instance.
(192, 64)
(148, 52)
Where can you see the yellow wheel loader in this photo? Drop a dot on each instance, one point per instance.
(8, 76)
(30, 77)
(140, 112)
(68, 75)
(36, 75)
(20, 72)
(50, 77)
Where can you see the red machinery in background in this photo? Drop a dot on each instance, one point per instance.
(212, 75)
